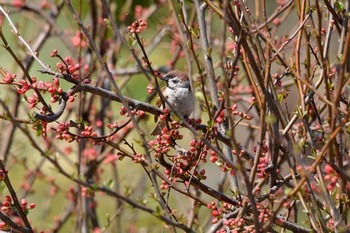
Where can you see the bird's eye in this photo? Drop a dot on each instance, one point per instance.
(175, 80)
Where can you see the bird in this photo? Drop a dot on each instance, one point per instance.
(178, 94)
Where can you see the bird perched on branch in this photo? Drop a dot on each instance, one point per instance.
(178, 94)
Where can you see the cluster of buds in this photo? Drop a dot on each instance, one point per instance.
(164, 185)
(124, 112)
(137, 26)
(9, 78)
(160, 146)
(234, 223)
(138, 158)
(69, 66)
(6, 206)
(213, 156)
(234, 111)
(112, 126)
(63, 132)
(87, 132)
(263, 163)
(227, 168)
(54, 53)
(200, 175)
(54, 90)
(33, 100)
(198, 146)
(173, 133)
(41, 127)
(331, 177)
(220, 118)
(216, 213)
(228, 64)
(25, 87)
(150, 88)
(25, 207)
(261, 168)
(264, 213)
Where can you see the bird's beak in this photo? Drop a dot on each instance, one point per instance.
(165, 78)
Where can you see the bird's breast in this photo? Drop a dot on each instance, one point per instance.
(182, 100)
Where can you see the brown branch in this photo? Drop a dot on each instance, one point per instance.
(14, 198)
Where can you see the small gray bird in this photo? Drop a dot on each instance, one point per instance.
(179, 94)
